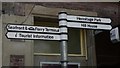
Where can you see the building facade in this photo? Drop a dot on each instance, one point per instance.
(81, 42)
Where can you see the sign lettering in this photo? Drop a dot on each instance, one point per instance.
(32, 28)
(33, 36)
(89, 26)
(88, 19)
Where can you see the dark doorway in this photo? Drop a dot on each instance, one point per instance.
(107, 53)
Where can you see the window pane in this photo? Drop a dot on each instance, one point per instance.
(74, 41)
(53, 46)
(46, 46)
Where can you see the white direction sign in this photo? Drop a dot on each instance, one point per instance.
(88, 19)
(89, 26)
(27, 28)
(35, 36)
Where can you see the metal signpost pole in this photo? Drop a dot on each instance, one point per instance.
(63, 42)
(19, 31)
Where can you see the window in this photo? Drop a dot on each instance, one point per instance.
(57, 65)
(76, 43)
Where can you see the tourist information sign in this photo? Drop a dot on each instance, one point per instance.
(51, 33)
(34, 36)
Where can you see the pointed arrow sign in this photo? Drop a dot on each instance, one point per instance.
(89, 26)
(88, 19)
(34, 36)
(28, 28)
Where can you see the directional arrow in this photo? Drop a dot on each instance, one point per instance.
(88, 19)
(89, 26)
(28, 28)
(34, 36)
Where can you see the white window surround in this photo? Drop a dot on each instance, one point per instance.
(69, 63)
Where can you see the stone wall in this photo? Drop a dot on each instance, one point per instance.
(13, 46)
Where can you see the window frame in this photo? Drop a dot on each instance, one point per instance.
(71, 63)
(83, 45)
